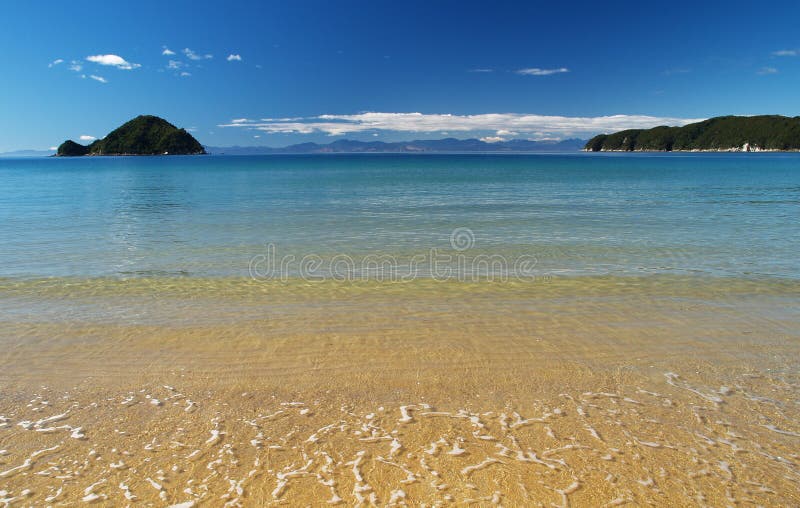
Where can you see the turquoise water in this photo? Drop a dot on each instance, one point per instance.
(577, 214)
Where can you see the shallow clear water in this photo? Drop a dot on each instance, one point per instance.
(584, 214)
(651, 359)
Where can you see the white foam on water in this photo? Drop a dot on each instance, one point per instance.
(780, 431)
(726, 468)
(647, 482)
(284, 477)
(488, 461)
(565, 492)
(405, 416)
(154, 484)
(650, 444)
(396, 496)
(395, 447)
(28, 462)
(456, 450)
(618, 501)
(127, 492)
(405, 412)
(54, 497)
(520, 421)
(8, 501)
(434, 446)
(673, 380)
(411, 477)
(532, 457)
(594, 433)
(89, 496)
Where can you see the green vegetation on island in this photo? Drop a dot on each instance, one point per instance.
(723, 133)
(144, 135)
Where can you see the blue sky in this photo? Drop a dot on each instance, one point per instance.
(275, 73)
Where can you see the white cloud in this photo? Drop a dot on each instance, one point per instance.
(535, 71)
(53, 148)
(492, 139)
(191, 55)
(86, 137)
(504, 132)
(481, 70)
(175, 64)
(75, 66)
(113, 60)
(786, 52)
(167, 51)
(767, 70)
(521, 124)
(185, 74)
(55, 62)
(234, 58)
(98, 78)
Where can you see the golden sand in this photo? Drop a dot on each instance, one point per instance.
(572, 392)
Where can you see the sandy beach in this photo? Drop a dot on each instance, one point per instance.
(593, 391)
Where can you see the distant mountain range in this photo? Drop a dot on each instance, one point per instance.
(417, 146)
(28, 153)
(448, 145)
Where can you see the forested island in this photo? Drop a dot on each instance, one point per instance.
(723, 133)
(144, 135)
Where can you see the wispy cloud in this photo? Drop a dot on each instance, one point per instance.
(786, 52)
(113, 61)
(167, 51)
(191, 55)
(175, 64)
(55, 62)
(86, 137)
(101, 79)
(75, 66)
(492, 139)
(481, 70)
(185, 74)
(535, 71)
(767, 70)
(234, 58)
(499, 124)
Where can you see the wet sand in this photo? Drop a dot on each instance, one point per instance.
(568, 392)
